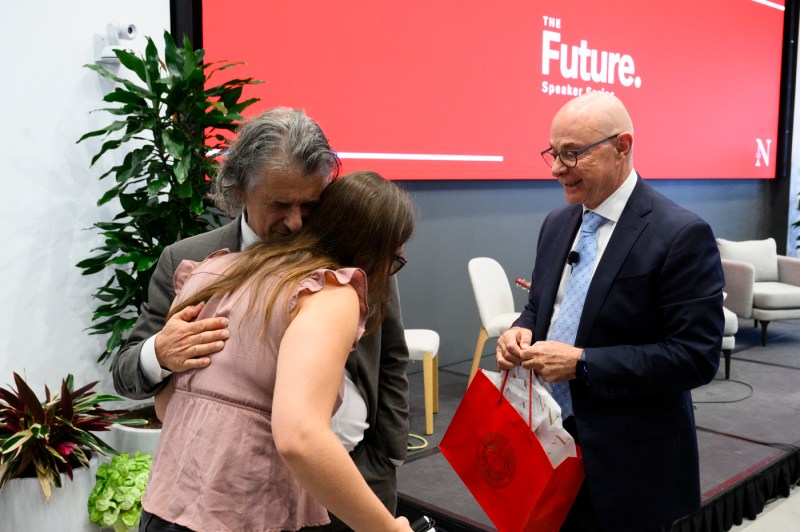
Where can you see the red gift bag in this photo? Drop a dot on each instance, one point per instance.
(503, 465)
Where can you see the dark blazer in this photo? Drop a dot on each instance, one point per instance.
(378, 364)
(652, 330)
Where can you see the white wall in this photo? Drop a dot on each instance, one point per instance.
(49, 192)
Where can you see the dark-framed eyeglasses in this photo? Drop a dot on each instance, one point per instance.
(397, 264)
(569, 158)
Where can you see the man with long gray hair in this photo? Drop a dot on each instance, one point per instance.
(269, 182)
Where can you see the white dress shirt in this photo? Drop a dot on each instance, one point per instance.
(611, 209)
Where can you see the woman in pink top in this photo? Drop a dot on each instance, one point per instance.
(247, 442)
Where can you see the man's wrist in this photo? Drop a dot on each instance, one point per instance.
(148, 362)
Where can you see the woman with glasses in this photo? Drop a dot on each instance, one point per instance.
(247, 442)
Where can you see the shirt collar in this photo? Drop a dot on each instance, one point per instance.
(248, 235)
(612, 207)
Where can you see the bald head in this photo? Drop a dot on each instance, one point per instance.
(600, 112)
(599, 171)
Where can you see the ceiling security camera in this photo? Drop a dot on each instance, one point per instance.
(105, 44)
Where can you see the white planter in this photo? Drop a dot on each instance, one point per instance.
(23, 506)
(131, 439)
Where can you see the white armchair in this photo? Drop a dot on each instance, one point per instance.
(761, 284)
(495, 302)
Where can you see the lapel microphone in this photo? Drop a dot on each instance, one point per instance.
(573, 258)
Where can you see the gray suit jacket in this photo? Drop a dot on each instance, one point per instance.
(378, 364)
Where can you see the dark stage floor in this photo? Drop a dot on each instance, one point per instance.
(747, 430)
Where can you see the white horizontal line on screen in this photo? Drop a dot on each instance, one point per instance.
(770, 4)
(420, 157)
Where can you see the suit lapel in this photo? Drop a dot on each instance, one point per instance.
(230, 235)
(627, 232)
(554, 267)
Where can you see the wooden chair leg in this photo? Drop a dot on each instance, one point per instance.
(727, 353)
(427, 374)
(764, 332)
(483, 335)
(436, 385)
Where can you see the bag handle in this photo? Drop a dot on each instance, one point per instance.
(530, 398)
(503, 387)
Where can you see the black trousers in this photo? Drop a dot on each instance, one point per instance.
(153, 523)
(582, 517)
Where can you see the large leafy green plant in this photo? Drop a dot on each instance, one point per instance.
(116, 499)
(170, 123)
(50, 437)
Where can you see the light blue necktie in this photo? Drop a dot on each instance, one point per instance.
(569, 314)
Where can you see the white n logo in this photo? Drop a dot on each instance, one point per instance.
(762, 152)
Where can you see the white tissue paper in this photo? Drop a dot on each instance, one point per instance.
(545, 415)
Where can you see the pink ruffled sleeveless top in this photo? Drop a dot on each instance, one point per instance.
(216, 466)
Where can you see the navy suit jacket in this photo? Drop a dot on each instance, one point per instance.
(652, 330)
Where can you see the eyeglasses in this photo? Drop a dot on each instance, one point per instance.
(569, 158)
(397, 264)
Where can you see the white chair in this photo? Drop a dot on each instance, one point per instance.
(495, 303)
(761, 284)
(728, 338)
(423, 344)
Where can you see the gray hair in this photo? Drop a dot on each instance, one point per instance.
(280, 139)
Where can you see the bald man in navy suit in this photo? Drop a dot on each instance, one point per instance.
(650, 330)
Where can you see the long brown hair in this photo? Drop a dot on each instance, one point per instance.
(360, 221)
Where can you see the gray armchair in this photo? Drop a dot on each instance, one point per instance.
(761, 284)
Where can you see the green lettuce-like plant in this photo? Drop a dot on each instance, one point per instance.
(171, 123)
(116, 499)
(54, 436)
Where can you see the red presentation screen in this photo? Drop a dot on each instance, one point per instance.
(466, 89)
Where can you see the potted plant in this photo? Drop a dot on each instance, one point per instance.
(171, 123)
(41, 443)
(116, 499)
(142, 437)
